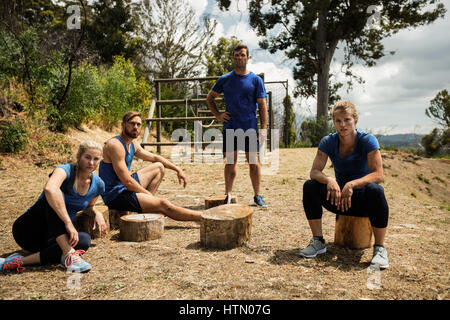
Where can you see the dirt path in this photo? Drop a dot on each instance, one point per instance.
(269, 266)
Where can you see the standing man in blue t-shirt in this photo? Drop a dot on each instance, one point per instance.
(355, 190)
(243, 92)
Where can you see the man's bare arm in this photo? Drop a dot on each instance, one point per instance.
(211, 103)
(116, 153)
(143, 154)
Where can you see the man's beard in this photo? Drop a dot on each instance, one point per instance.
(131, 134)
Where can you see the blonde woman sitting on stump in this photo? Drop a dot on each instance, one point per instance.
(356, 191)
(46, 228)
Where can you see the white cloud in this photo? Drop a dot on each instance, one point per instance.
(199, 6)
(219, 32)
(242, 31)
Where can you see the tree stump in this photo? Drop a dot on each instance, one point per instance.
(141, 227)
(114, 218)
(215, 201)
(226, 226)
(353, 232)
(84, 221)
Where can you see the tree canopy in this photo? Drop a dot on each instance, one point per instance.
(310, 31)
(439, 109)
(174, 41)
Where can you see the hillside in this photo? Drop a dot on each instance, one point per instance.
(401, 140)
(269, 266)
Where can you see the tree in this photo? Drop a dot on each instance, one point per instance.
(174, 42)
(314, 130)
(110, 30)
(289, 135)
(219, 60)
(439, 110)
(431, 142)
(309, 32)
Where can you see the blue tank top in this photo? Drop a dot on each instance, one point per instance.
(113, 186)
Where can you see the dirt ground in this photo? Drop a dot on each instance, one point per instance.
(269, 265)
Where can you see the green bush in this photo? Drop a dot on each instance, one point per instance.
(314, 130)
(101, 95)
(437, 142)
(122, 92)
(13, 138)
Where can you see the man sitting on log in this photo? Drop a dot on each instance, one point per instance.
(356, 191)
(136, 192)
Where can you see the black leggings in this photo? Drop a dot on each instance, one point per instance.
(37, 229)
(369, 202)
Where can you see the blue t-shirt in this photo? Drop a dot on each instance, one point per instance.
(73, 200)
(241, 94)
(355, 165)
(113, 186)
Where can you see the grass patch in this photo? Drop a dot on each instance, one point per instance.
(440, 180)
(423, 179)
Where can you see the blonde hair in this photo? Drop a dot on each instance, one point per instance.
(345, 106)
(88, 144)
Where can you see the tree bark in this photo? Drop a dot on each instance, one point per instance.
(141, 227)
(353, 232)
(226, 226)
(85, 220)
(114, 218)
(325, 49)
(217, 201)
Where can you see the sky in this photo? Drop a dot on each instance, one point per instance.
(396, 91)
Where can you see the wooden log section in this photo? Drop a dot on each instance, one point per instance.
(114, 218)
(215, 201)
(226, 226)
(84, 221)
(353, 232)
(141, 227)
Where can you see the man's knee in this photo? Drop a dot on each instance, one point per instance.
(161, 169)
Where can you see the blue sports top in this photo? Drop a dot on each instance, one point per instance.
(241, 94)
(355, 165)
(106, 171)
(73, 200)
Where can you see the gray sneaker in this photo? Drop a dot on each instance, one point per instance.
(380, 257)
(314, 248)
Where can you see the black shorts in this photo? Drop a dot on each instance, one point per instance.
(247, 142)
(127, 200)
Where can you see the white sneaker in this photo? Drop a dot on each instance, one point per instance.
(380, 257)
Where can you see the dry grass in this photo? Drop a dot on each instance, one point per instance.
(269, 266)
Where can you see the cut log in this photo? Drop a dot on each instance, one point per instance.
(141, 227)
(215, 201)
(84, 221)
(226, 226)
(114, 218)
(353, 232)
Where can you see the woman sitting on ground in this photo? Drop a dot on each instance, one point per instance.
(358, 168)
(46, 228)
